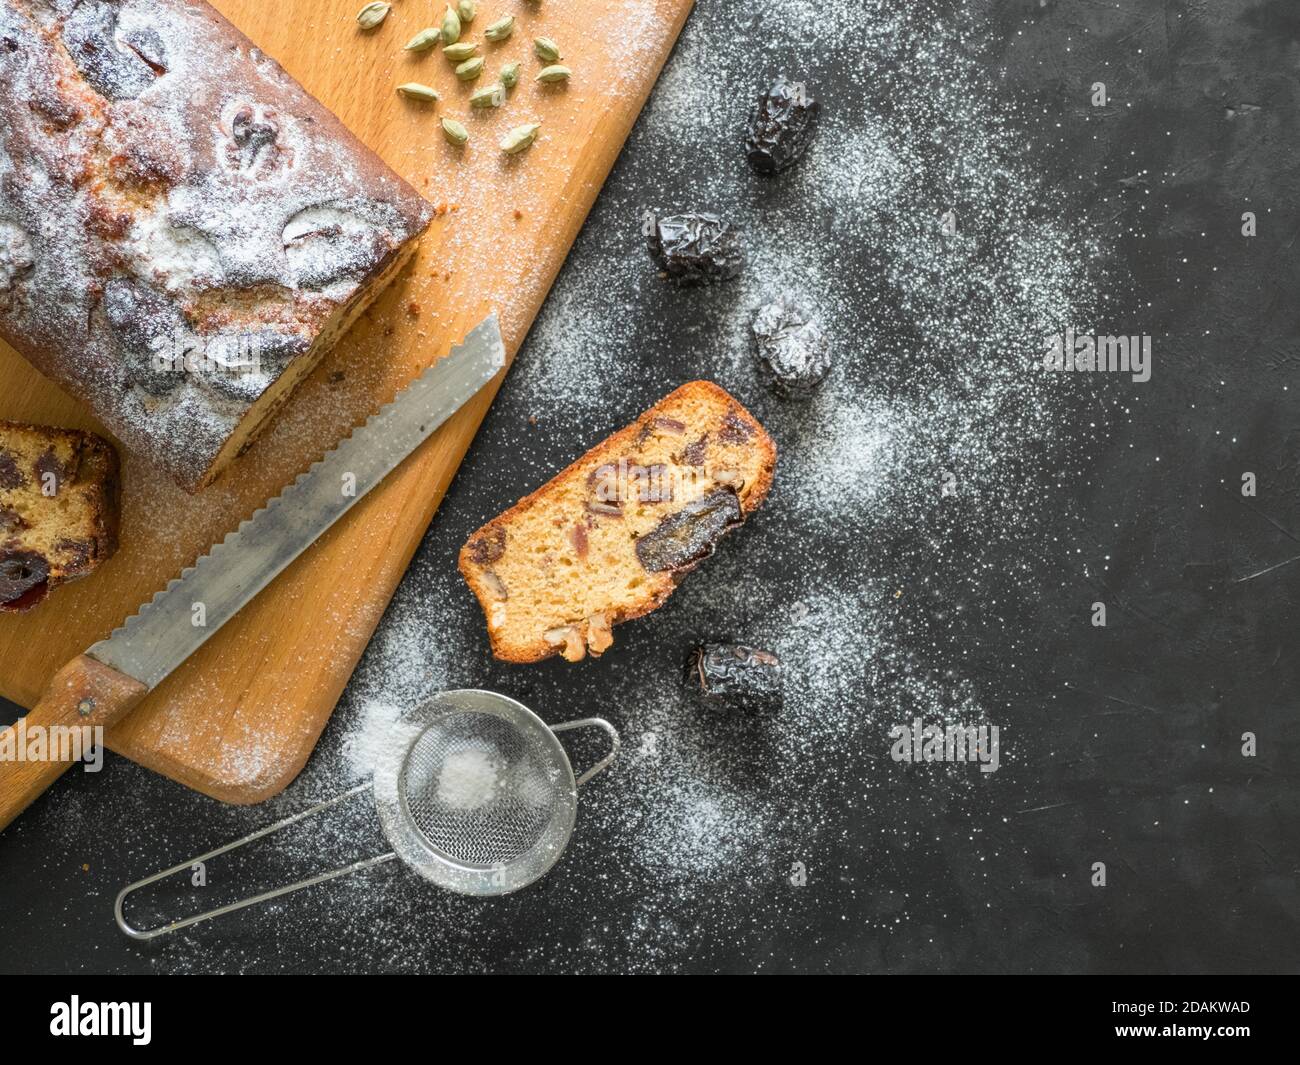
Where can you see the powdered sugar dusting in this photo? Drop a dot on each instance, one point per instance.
(923, 428)
(927, 425)
(468, 779)
(376, 727)
(171, 181)
(923, 453)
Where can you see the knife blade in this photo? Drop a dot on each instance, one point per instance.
(113, 675)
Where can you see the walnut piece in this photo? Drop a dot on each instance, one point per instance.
(575, 649)
(495, 585)
(599, 637)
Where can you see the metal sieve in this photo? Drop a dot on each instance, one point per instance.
(475, 793)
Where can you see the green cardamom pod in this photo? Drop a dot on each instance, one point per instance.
(470, 69)
(424, 40)
(454, 131)
(550, 75)
(519, 138)
(488, 96)
(500, 29)
(415, 91)
(458, 53)
(450, 26)
(467, 9)
(510, 75)
(547, 50)
(372, 15)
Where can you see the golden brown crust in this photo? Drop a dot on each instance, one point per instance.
(169, 190)
(480, 550)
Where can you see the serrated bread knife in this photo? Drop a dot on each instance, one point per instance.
(97, 688)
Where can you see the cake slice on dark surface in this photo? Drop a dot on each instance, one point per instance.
(610, 538)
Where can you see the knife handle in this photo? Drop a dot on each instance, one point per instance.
(83, 693)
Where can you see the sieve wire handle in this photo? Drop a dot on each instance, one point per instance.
(614, 743)
(185, 922)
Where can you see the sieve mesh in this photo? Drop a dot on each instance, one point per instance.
(479, 790)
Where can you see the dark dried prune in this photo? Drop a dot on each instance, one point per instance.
(11, 474)
(148, 45)
(735, 430)
(254, 137)
(51, 473)
(735, 673)
(683, 540)
(696, 249)
(76, 554)
(693, 453)
(791, 350)
(328, 245)
(241, 366)
(148, 330)
(116, 71)
(486, 549)
(780, 127)
(24, 577)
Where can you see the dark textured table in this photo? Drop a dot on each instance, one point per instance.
(946, 516)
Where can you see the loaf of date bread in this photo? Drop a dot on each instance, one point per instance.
(610, 538)
(58, 509)
(184, 230)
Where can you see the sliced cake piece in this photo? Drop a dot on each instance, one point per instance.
(610, 538)
(58, 509)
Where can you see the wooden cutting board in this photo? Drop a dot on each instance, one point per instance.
(238, 720)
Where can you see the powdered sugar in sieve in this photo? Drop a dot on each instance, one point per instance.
(477, 795)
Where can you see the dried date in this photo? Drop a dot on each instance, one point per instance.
(24, 577)
(748, 676)
(683, 540)
(791, 350)
(780, 127)
(696, 249)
